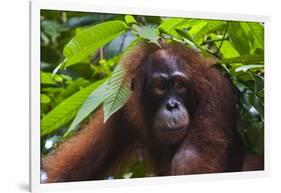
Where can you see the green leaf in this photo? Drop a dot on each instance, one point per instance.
(227, 50)
(211, 26)
(44, 39)
(185, 35)
(253, 104)
(258, 31)
(53, 29)
(90, 105)
(45, 99)
(66, 110)
(197, 27)
(243, 76)
(241, 86)
(47, 78)
(149, 33)
(239, 38)
(52, 90)
(171, 23)
(117, 92)
(259, 83)
(96, 97)
(73, 87)
(89, 40)
(246, 59)
(249, 67)
(130, 19)
(169, 26)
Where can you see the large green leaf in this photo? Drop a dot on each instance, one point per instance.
(87, 41)
(211, 26)
(171, 23)
(90, 105)
(255, 30)
(246, 59)
(197, 27)
(227, 50)
(239, 38)
(258, 31)
(96, 97)
(65, 111)
(117, 92)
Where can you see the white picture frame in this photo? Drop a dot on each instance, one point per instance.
(36, 6)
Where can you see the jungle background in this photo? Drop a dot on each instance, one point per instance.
(72, 78)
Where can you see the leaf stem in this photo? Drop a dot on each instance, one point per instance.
(101, 53)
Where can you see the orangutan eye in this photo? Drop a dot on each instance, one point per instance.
(179, 84)
(159, 85)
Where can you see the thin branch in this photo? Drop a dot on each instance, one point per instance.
(122, 43)
(223, 38)
(210, 41)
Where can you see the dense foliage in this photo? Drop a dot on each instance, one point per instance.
(80, 54)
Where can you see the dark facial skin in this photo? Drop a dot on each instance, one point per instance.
(167, 88)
